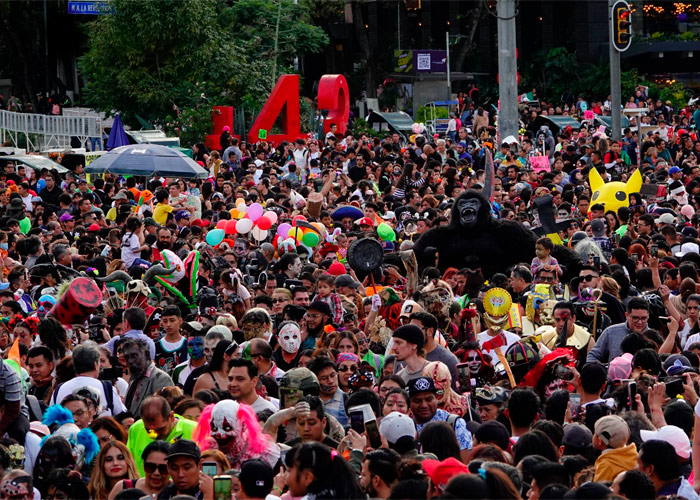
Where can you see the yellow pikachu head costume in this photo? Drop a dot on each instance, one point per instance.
(613, 194)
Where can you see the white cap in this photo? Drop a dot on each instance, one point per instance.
(389, 215)
(675, 436)
(687, 248)
(666, 218)
(409, 307)
(397, 425)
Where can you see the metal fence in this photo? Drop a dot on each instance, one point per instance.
(47, 131)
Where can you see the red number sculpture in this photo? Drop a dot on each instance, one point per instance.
(283, 99)
(333, 95)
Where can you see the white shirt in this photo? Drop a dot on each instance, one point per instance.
(261, 404)
(130, 246)
(510, 339)
(81, 381)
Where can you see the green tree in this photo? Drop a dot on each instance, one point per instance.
(169, 62)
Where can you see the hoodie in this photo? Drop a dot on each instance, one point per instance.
(615, 460)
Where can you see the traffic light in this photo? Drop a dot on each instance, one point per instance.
(621, 25)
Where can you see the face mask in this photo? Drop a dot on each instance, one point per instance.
(290, 338)
(4, 246)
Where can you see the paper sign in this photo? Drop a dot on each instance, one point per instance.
(588, 115)
(262, 134)
(540, 164)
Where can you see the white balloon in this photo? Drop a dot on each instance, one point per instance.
(244, 226)
(259, 234)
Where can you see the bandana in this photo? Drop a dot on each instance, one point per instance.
(347, 356)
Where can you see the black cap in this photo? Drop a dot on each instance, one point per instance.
(320, 306)
(256, 478)
(577, 436)
(410, 333)
(184, 448)
(420, 384)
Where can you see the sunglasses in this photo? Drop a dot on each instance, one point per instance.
(344, 368)
(588, 277)
(150, 467)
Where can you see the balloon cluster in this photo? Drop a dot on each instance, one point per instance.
(299, 232)
(244, 219)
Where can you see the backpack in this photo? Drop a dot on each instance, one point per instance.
(452, 420)
(108, 391)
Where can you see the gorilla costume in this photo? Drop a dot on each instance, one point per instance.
(474, 239)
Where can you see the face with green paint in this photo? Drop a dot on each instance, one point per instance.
(195, 347)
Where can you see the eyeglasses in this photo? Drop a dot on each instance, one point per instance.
(344, 368)
(150, 467)
(255, 355)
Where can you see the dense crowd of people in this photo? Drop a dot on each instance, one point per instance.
(361, 317)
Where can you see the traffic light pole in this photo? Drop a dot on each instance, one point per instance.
(507, 70)
(620, 39)
(616, 93)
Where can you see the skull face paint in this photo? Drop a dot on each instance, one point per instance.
(195, 347)
(224, 424)
(290, 337)
(473, 360)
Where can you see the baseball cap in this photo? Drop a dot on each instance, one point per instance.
(689, 231)
(676, 364)
(577, 436)
(388, 246)
(680, 414)
(256, 478)
(441, 472)
(199, 223)
(320, 306)
(346, 280)
(389, 215)
(149, 221)
(687, 248)
(365, 221)
(184, 448)
(674, 170)
(93, 227)
(612, 430)
(621, 367)
(121, 195)
(397, 425)
(666, 219)
(37, 199)
(409, 307)
(672, 435)
(598, 227)
(65, 217)
(182, 214)
(420, 384)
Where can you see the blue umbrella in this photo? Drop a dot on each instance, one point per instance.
(147, 160)
(117, 136)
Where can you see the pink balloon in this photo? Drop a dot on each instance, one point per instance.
(283, 229)
(244, 226)
(255, 211)
(263, 223)
(271, 215)
(231, 226)
(221, 224)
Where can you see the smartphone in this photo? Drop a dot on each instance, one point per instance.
(634, 258)
(596, 262)
(674, 387)
(372, 430)
(463, 376)
(357, 420)
(209, 468)
(575, 405)
(562, 372)
(655, 251)
(222, 487)
(631, 395)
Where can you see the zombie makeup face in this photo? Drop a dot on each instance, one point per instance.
(473, 360)
(290, 338)
(224, 424)
(554, 386)
(195, 347)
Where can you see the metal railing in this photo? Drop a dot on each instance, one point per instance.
(48, 131)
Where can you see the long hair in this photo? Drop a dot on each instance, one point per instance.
(217, 358)
(53, 336)
(333, 477)
(99, 482)
(439, 438)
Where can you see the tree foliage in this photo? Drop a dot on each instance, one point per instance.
(169, 62)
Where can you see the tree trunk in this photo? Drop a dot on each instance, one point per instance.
(367, 56)
(466, 43)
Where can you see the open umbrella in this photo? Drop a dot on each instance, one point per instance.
(117, 136)
(147, 160)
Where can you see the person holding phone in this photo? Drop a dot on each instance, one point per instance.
(183, 466)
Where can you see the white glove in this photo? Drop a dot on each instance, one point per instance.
(376, 302)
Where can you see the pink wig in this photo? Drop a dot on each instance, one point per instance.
(202, 433)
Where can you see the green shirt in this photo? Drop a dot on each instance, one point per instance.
(138, 438)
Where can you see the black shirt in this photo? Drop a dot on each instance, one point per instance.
(326, 440)
(170, 491)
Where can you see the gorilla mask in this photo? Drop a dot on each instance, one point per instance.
(468, 210)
